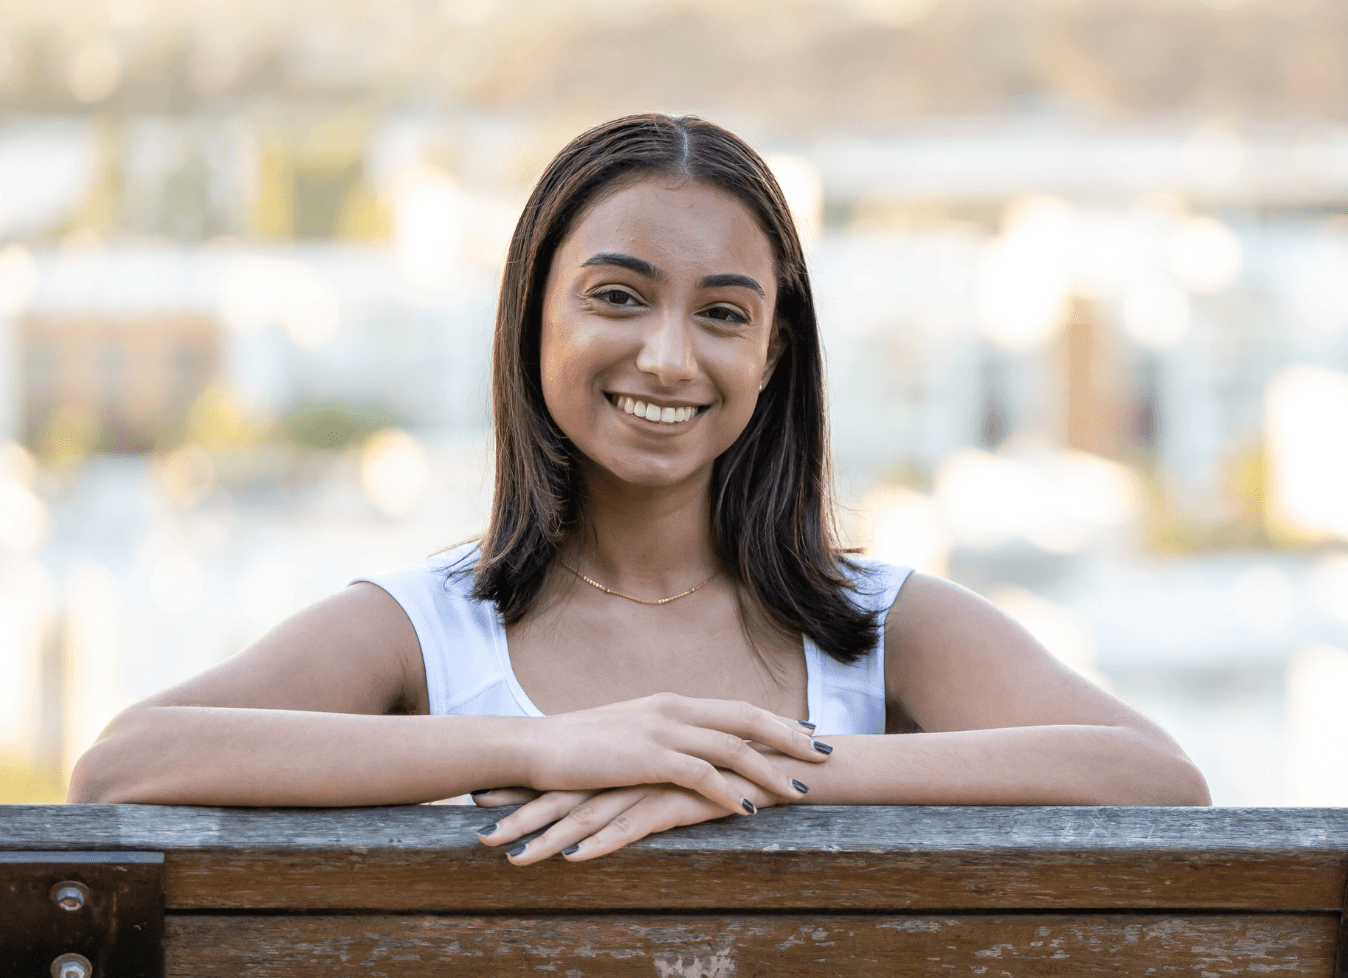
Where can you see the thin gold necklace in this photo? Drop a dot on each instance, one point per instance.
(619, 594)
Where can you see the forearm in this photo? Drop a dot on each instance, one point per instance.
(1045, 765)
(188, 755)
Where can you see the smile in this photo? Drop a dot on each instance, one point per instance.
(654, 413)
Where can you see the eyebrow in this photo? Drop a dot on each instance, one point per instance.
(647, 270)
(721, 281)
(629, 262)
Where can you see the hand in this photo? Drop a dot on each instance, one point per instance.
(669, 739)
(589, 824)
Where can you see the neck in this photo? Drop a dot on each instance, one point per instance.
(645, 542)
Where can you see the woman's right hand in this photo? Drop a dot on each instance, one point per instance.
(669, 739)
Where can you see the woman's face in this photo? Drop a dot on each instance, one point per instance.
(657, 330)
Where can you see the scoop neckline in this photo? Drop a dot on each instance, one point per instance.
(502, 649)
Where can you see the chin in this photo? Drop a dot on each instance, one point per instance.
(645, 474)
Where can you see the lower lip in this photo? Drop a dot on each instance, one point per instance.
(657, 426)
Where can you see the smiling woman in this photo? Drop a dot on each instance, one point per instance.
(658, 625)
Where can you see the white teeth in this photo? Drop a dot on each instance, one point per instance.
(653, 412)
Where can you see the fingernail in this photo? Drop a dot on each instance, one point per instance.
(748, 806)
(798, 786)
(822, 747)
(806, 724)
(518, 850)
(570, 849)
(487, 829)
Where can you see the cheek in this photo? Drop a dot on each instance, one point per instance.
(568, 365)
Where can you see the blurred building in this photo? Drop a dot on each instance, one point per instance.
(1081, 268)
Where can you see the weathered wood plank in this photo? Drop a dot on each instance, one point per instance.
(624, 881)
(206, 946)
(428, 858)
(800, 828)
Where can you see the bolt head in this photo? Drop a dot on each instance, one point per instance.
(72, 966)
(70, 895)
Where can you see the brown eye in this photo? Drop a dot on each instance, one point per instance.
(617, 297)
(725, 314)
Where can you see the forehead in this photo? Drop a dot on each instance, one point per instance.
(675, 223)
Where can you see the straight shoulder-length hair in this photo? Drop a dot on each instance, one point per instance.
(771, 504)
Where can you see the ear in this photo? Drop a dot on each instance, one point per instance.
(776, 343)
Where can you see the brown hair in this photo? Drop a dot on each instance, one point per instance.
(772, 516)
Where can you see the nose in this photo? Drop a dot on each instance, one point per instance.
(667, 350)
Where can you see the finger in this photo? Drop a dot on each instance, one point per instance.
(733, 754)
(579, 823)
(693, 772)
(636, 822)
(496, 797)
(750, 722)
(791, 723)
(532, 816)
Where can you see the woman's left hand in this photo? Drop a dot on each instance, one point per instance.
(597, 823)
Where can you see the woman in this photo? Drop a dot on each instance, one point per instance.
(658, 625)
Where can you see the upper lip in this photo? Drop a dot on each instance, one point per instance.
(655, 400)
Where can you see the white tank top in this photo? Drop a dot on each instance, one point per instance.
(468, 670)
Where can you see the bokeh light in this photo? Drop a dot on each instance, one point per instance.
(394, 471)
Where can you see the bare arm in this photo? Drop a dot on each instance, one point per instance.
(1003, 722)
(329, 709)
(323, 710)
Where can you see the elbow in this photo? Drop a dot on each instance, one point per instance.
(1174, 782)
(86, 786)
(1189, 787)
(105, 774)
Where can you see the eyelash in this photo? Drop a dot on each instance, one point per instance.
(603, 295)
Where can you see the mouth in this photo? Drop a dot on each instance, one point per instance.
(666, 415)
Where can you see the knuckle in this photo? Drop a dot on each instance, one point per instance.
(585, 814)
(747, 712)
(622, 825)
(736, 747)
(663, 700)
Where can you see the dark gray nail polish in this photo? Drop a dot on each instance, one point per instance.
(570, 849)
(487, 829)
(822, 747)
(798, 786)
(748, 806)
(518, 850)
(806, 724)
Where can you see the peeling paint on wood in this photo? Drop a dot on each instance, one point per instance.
(206, 946)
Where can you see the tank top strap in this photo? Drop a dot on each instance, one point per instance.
(462, 639)
(850, 698)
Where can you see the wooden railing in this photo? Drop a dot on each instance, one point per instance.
(791, 891)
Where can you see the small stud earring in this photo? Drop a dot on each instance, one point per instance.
(760, 388)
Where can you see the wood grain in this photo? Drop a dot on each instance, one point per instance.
(206, 946)
(428, 858)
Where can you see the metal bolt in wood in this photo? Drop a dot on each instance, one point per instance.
(70, 895)
(72, 966)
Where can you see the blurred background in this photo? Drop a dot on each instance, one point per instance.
(1082, 268)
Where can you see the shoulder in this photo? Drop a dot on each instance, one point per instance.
(958, 662)
(875, 584)
(448, 574)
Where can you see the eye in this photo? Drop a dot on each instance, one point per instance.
(726, 314)
(616, 297)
